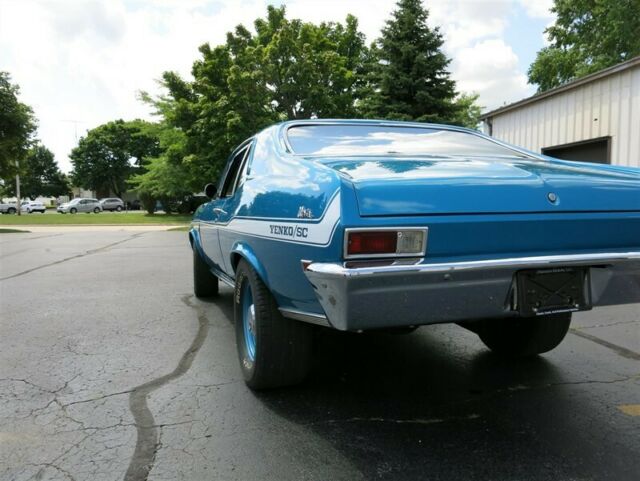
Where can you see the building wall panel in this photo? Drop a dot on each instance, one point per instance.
(608, 106)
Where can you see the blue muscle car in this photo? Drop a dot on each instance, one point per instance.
(359, 225)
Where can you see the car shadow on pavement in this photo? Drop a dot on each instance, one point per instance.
(424, 405)
(436, 404)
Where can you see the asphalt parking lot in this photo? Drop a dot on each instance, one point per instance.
(110, 369)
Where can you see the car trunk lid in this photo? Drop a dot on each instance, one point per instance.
(419, 186)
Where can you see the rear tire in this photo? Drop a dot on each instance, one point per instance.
(522, 337)
(73, 210)
(274, 351)
(119, 209)
(96, 210)
(11, 210)
(205, 284)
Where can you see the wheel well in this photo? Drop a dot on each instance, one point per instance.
(235, 258)
(191, 239)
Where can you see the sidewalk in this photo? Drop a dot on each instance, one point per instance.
(94, 228)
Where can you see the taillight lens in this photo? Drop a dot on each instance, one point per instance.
(372, 243)
(410, 242)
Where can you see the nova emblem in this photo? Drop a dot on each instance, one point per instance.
(304, 213)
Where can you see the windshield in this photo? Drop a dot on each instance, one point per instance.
(395, 140)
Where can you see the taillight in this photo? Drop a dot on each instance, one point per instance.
(372, 243)
(385, 243)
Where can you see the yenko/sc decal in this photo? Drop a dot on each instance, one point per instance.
(294, 232)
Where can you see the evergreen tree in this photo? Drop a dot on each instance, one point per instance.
(409, 79)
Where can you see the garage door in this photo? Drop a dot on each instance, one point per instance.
(595, 150)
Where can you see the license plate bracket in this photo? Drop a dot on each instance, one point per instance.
(553, 290)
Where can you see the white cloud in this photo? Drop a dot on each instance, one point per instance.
(463, 22)
(491, 68)
(80, 64)
(538, 8)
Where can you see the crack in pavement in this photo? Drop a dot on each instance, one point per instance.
(22, 241)
(77, 256)
(83, 401)
(148, 438)
(34, 238)
(635, 321)
(621, 351)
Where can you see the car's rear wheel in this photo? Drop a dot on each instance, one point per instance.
(205, 284)
(119, 208)
(11, 210)
(96, 210)
(274, 351)
(521, 337)
(73, 210)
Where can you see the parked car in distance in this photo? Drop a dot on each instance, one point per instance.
(30, 206)
(362, 225)
(112, 204)
(133, 205)
(8, 208)
(191, 203)
(80, 205)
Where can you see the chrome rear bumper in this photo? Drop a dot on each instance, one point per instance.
(404, 295)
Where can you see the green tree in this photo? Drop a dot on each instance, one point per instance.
(587, 36)
(109, 154)
(17, 126)
(40, 175)
(164, 178)
(285, 69)
(408, 75)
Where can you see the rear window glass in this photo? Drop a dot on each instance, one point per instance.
(389, 140)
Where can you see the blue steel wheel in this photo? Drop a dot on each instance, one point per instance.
(273, 351)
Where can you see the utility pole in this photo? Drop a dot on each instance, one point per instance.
(18, 206)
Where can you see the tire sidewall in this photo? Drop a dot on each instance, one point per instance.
(244, 278)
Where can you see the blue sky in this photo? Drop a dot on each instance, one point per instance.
(525, 35)
(81, 63)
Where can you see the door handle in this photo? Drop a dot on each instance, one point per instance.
(219, 211)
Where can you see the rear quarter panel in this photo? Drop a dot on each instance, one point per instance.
(264, 227)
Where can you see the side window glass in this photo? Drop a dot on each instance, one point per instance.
(232, 174)
(242, 174)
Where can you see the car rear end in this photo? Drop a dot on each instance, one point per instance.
(431, 239)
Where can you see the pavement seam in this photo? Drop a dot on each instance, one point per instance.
(621, 351)
(34, 238)
(148, 438)
(77, 256)
(595, 326)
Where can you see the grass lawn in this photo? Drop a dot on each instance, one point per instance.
(104, 218)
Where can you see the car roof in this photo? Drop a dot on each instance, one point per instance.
(390, 123)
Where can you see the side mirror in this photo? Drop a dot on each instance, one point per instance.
(210, 190)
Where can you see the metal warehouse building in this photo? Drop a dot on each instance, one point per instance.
(595, 118)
